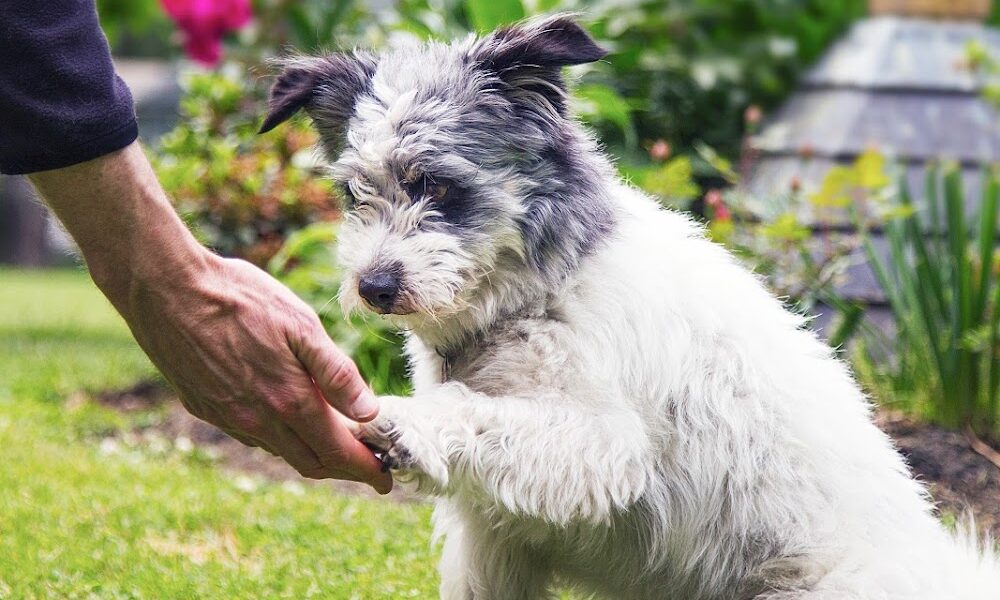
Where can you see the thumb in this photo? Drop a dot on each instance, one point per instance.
(335, 374)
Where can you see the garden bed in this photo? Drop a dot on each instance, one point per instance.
(959, 479)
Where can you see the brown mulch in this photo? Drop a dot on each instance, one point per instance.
(173, 422)
(959, 479)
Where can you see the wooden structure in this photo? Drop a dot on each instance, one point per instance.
(894, 83)
(940, 9)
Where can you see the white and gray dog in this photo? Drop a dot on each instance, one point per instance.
(604, 399)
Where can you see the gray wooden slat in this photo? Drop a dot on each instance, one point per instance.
(911, 127)
(894, 52)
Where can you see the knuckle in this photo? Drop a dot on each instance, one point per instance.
(341, 373)
(246, 421)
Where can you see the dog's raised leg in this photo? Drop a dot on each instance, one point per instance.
(551, 457)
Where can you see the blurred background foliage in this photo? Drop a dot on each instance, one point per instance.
(681, 74)
(685, 83)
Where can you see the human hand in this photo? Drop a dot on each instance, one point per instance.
(243, 351)
(248, 356)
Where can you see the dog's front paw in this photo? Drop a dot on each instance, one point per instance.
(407, 447)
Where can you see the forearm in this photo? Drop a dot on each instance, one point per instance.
(116, 211)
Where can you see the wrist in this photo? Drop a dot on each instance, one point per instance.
(167, 258)
(124, 225)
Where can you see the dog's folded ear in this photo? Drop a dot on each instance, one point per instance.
(529, 57)
(327, 87)
(553, 42)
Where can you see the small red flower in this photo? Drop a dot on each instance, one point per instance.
(713, 198)
(753, 114)
(722, 214)
(205, 22)
(660, 150)
(714, 201)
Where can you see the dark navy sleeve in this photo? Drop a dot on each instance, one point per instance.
(61, 102)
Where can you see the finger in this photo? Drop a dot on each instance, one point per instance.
(295, 452)
(335, 374)
(336, 448)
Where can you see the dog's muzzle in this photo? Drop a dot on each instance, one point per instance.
(379, 289)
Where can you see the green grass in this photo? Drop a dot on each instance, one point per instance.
(82, 519)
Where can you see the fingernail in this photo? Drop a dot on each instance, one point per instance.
(365, 407)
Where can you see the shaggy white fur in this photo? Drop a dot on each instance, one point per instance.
(603, 398)
(663, 428)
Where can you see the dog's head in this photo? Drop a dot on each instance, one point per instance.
(462, 170)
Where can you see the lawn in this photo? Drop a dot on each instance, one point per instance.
(81, 517)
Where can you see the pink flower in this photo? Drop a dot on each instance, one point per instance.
(720, 212)
(713, 198)
(753, 114)
(205, 22)
(660, 150)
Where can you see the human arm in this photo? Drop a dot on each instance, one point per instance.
(241, 349)
(243, 352)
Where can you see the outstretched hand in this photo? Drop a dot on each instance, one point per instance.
(248, 356)
(243, 351)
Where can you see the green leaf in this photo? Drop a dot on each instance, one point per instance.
(786, 228)
(673, 181)
(545, 5)
(869, 169)
(722, 165)
(303, 245)
(835, 190)
(487, 15)
(596, 102)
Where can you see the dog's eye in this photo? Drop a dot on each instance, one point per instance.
(438, 191)
(435, 191)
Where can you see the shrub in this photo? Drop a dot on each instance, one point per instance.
(940, 279)
(688, 69)
(241, 193)
(796, 237)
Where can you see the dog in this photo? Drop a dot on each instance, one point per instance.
(603, 398)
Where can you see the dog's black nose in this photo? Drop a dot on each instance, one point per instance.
(379, 289)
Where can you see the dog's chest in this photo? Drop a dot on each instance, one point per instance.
(524, 356)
